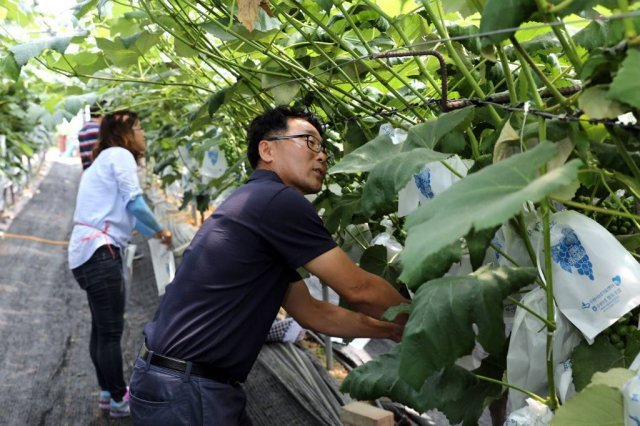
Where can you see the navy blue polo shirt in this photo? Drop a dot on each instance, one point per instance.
(233, 277)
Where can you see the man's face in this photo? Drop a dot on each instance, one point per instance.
(294, 162)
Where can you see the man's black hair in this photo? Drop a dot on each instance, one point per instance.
(96, 109)
(270, 123)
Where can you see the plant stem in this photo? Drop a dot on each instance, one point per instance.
(553, 398)
(591, 208)
(525, 55)
(498, 382)
(504, 61)
(525, 236)
(551, 325)
(423, 70)
(629, 27)
(566, 42)
(624, 154)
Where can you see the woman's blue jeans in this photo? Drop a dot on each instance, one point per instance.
(101, 277)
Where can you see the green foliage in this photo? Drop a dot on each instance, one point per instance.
(491, 196)
(443, 312)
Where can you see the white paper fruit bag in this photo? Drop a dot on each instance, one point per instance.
(433, 179)
(527, 355)
(596, 280)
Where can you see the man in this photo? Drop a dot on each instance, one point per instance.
(88, 135)
(240, 267)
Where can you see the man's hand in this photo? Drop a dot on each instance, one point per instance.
(165, 237)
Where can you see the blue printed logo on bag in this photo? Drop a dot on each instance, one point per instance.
(423, 182)
(569, 253)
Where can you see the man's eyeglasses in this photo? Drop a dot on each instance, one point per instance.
(312, 143)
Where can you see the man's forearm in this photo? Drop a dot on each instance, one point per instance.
(378, 296)
(336, 321)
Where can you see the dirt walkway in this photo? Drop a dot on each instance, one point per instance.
(46, 376)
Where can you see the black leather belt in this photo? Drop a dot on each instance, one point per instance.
(197, 369)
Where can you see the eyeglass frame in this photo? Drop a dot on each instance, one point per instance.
(322, 144)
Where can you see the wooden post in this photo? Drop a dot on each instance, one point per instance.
(362, 414)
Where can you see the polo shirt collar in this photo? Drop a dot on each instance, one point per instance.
(262, 174)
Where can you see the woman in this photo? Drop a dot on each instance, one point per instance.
(108, 207)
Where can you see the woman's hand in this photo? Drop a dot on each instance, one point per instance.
(165, 237)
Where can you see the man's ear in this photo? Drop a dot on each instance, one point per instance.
(266, 151)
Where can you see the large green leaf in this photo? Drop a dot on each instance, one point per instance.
(443, 311)
(389, 176)
(481, 200)
(443, 391)
(367, 156)
(626, 84)
(25, 51)
(502, 14)
(598, 405)
(602, 355)
(427, 135)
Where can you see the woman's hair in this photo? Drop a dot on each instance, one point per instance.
(116, 129)
(272, 121)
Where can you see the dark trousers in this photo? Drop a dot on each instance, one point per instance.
(101, 277)
(160, 396)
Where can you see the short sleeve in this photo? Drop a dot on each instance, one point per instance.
(125, 172)
(292, 226)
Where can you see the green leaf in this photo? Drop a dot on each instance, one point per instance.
(342, 211)
(490, 197)
(83, 7)
(626, 84)
(391, 313)
(630, 242)
(389, 176)
(437, 264)
(597, 405)
(443, 312)
(603, 33)
(326, 5)
(442, 391)
(464, 7)
(427, 135)
(602, 355)
(282, 88)
(367, 156)
(594, 103)
(25, 51)
(374, 260)
(216, 100)
(477, 243)
(502, 14)
(615, 378)
(9, 68)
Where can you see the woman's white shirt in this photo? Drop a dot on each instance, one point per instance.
(101, 215)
